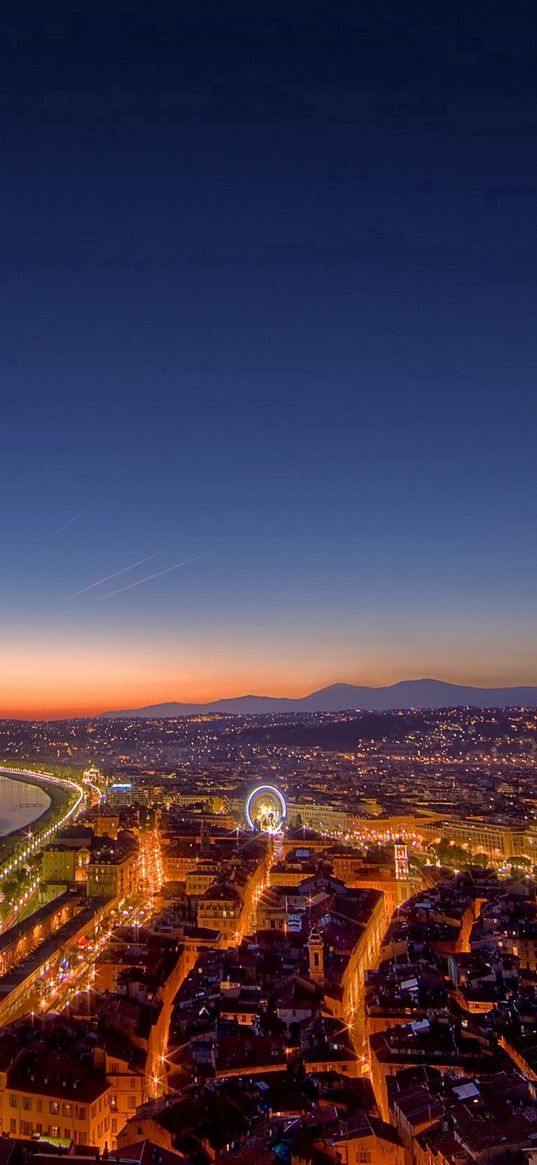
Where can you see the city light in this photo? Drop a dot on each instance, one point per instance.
(265, 809)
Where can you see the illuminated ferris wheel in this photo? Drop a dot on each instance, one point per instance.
(265, 809)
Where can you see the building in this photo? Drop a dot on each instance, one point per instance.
(64, 864)
(221, 909)
(113, 870)
(326, 818)
(52, 1093)
(500, 839)
(121, 794)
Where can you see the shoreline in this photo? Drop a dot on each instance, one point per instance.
(59, 802)
(22, 780)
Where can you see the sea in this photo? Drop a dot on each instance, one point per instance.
(20, 804)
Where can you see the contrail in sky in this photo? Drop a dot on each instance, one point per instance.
(148, 577)
(107, 577)
(70, 521)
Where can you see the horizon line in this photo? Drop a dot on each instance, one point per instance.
(44, 715)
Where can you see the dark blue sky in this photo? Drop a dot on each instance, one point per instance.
(267, 303)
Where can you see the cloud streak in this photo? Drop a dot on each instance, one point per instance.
(148, 578)
(108, 577)
(71, 521)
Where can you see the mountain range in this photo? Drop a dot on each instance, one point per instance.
(422, 694)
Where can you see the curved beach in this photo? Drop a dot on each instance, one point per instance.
(21, 803)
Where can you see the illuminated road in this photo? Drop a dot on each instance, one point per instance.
(76, 972)
(151, 867)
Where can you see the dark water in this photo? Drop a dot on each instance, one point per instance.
(20, 804)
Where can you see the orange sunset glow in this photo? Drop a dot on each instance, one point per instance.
(56, 677)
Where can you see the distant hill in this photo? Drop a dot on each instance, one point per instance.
(342, 697)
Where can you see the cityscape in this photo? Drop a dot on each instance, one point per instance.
(297, 937)
(268, 583)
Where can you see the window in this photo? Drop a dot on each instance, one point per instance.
(39, 1106)
(39, 1127)
(80, 1113)
(67, 1110)
(67, 1133)
(13, 1101)
(114, 1124)
(54, 1130)
(27, 1103)
(54, 1108)
(131, 1102)
(13, 1125)
(26, 1128)
(363, 1155)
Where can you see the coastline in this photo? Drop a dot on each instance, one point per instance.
(59, 800)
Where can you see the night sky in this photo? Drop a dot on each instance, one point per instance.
(268, 309)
